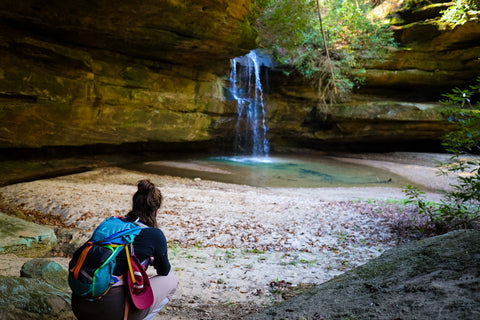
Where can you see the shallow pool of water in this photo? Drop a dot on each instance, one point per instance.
(277, 171)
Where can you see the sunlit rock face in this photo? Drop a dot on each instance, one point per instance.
(432, 57)
(87, 72)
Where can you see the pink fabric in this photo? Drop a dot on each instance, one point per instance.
(164, 287)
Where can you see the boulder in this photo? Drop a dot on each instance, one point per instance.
(24, 238)
(42, 294)
(49, 271)
(435, 278)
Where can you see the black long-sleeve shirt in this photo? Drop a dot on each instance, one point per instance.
(150, 243)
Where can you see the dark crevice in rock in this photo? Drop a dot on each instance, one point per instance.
(18, 96)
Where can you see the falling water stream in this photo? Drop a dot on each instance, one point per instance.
(246, 89)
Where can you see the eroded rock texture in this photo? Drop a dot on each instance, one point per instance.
(82, 73)
(87, 72)
(433, 56)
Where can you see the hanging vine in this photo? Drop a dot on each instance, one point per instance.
(326, 46)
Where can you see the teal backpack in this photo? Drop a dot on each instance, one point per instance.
(91, 267)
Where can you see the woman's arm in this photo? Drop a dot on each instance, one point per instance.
(160, 254)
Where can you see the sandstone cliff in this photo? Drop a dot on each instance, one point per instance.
(397, 105)
(433, 56)
(81, 73)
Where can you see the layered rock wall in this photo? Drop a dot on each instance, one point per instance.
(80, 72)
(397, 106)
(432, 57)
(365, 123)
(83, 73)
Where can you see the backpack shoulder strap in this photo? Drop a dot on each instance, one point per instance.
(76, 268)
(141, 224)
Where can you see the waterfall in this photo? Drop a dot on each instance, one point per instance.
(246, 89)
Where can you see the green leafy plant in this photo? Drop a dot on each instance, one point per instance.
(458, 13)
(458, 210)
(464, 113)
(460, 207)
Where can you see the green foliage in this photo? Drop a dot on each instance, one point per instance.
(460, 208)
(290, 31)
(464, 113)
(458, 13)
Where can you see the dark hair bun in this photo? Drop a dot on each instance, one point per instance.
(145, 187)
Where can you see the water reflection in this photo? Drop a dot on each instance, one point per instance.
(304, 172)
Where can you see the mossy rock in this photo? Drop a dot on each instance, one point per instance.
(25, 238)
(49, 271)
(435, 278)
(24, 298)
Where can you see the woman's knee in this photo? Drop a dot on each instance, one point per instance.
(164, 286)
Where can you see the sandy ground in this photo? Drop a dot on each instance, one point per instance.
(234, 248)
